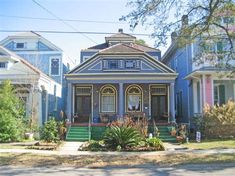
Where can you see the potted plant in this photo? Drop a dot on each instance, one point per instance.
(31, 131)
(173, 131)
(104, 118)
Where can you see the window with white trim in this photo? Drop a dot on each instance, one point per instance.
(108, 99)
(55, 66)
(113, 64)
(3, 65)
(20, 45)
(134, 99)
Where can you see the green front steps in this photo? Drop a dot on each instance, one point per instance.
(78, 133)
(165, 135)
(81, 133)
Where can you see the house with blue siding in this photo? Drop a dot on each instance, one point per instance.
(46, 57)
(31, 85)
(118, 78)
(200, 81)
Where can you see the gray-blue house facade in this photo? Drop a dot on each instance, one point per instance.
(120, 77)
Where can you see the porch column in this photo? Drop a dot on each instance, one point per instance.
(69, 102)
(172, 102)
(120, 102)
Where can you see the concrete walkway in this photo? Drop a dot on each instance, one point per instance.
(156, 153)
(69, 147)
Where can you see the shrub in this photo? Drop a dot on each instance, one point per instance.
(11, 114)
(49, 132)
(140, 125)
(224, 114)
(219, 121)
(155, 142)
(124, 137)
(94, 146)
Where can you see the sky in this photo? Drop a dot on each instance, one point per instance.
(71, 44)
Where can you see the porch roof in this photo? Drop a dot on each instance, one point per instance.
(122, 78)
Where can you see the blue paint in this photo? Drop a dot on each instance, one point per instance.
(43, 47)
(86, 54)
(155, 54)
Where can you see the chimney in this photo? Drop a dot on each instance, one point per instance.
(173, 36)
(184, 20)
(120, 30)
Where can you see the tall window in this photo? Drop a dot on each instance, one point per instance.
(134, 99)
(219, 94)
(55, 66)
(108, 99)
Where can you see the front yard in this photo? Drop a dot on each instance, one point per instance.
(211, 144)
(34, 160)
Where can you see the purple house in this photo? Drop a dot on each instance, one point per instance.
(120, 77)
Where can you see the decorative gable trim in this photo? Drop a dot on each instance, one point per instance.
(96, 67)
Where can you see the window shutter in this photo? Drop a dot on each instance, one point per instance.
(221, 94)
(219, 47)
(105, 64)
(137, 63)
(120, 64)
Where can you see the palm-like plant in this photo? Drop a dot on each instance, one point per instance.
(125, 137)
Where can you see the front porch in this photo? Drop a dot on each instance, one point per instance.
(103, 103)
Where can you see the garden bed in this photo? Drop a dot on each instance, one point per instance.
(44, 146)
(143, 146)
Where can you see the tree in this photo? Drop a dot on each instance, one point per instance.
(195, 20)
(141, 42)
(11, 114)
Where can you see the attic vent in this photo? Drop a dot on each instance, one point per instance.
(83, 90)
(159, 90)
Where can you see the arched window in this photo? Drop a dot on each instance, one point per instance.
(108, 99)
(134, 99)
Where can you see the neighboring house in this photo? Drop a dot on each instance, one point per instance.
(120, 77)
(45, 56)
(199, 83)
(32, 86)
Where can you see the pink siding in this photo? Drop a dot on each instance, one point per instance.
(208, 90)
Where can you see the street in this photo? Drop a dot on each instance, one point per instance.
(185, 170)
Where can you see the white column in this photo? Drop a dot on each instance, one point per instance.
(172, 101)
(195, 100)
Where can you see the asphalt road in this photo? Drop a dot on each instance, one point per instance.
(146, 170)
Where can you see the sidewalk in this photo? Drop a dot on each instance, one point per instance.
(66, 151)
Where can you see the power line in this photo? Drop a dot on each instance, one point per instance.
(103, 33)
(60, 19)
(54, 19)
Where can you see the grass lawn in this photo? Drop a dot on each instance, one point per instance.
(33, 160)
(211, 144)
(11, 146)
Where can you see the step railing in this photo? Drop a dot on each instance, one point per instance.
(89, 128)
(155, 129)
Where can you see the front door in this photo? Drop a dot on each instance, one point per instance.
(159, 103)
(82, 108)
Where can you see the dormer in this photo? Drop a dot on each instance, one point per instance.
(120, 37)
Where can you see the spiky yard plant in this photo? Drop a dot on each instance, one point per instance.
(124, 137)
